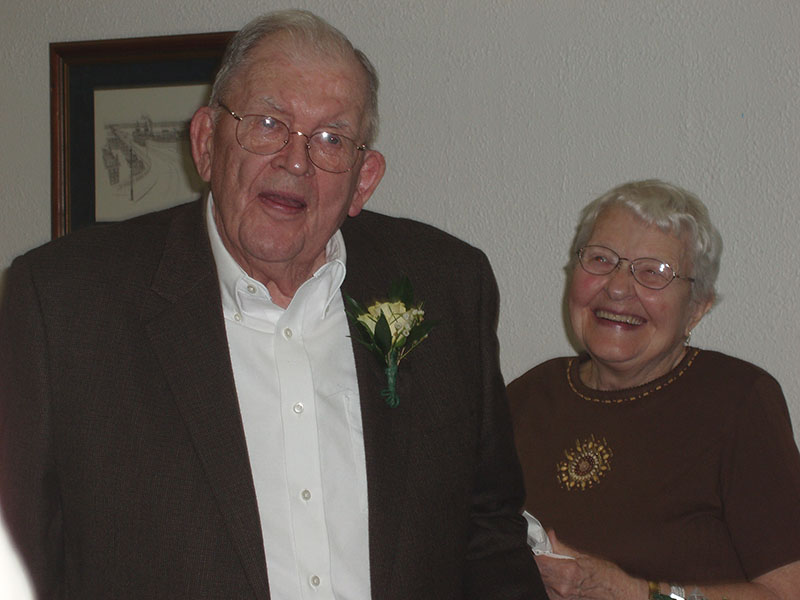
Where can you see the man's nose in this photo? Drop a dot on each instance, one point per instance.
(294, 155)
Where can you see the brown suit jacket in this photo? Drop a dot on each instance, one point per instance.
(124, 470)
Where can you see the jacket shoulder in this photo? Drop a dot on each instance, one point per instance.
(109, 247)
(372, 232)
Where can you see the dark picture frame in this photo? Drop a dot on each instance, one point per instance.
(77, 71)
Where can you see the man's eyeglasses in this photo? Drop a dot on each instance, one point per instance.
(265, 135)
(649, 272)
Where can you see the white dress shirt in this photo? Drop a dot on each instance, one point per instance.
(298, 394)
(14, 582)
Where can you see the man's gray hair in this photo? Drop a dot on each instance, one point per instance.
(673, 210)
(306, 30)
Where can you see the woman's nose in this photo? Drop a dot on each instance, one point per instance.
(620, 281)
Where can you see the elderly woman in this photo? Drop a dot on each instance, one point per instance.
(663, 469)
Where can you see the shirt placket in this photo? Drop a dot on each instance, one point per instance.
(301, 445)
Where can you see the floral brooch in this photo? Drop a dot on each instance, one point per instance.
(390, 329)
(585, 465)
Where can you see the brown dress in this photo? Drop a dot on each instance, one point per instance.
(692, 477)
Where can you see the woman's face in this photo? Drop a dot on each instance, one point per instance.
(632, 333)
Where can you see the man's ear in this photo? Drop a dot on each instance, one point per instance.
(201, 132)
(369, 176)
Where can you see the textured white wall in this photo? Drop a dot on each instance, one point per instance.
(501, 119)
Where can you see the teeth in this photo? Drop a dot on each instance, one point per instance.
(628, 319)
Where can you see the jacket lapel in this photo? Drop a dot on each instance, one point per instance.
(187, 331)
(385, 429)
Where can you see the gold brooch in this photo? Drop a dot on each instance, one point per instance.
(586, 464)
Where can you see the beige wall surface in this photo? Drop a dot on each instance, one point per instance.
(502, 118)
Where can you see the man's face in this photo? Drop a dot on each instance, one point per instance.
(276, 213)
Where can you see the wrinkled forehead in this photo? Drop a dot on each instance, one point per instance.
(282, 56)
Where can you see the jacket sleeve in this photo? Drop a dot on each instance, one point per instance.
(499, 563)
(28, 482)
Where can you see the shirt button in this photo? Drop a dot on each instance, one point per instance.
(251, 288)
(306, 495)
(237, 317)
(298, 408)
(287, 333)
(314, 580)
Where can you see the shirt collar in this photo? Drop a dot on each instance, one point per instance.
(328, 278)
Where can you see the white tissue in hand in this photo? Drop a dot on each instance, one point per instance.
(537, 537)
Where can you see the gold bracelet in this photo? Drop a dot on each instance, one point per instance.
(655, 592)
(654, 589)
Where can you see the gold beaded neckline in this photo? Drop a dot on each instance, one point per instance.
(658, 385)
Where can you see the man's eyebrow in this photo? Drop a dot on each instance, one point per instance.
(338, 125)
(271, 105)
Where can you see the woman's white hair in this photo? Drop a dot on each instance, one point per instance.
(673, 210)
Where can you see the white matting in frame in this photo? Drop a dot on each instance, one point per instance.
(143, 159)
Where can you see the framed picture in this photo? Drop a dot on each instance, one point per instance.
(119, 124)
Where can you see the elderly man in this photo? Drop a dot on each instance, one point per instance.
(185, 412)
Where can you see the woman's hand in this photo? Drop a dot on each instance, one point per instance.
(585, 578)
(591, 578)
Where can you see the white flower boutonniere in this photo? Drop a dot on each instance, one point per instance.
(390, 329)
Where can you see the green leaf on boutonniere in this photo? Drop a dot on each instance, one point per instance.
(418, 333)
(390, 329)
(401, 291)
(383, 335)
(353, 307)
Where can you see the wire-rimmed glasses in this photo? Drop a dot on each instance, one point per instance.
(652, 273)
(265, 135)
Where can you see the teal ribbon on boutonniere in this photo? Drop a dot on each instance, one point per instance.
(390, 329)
